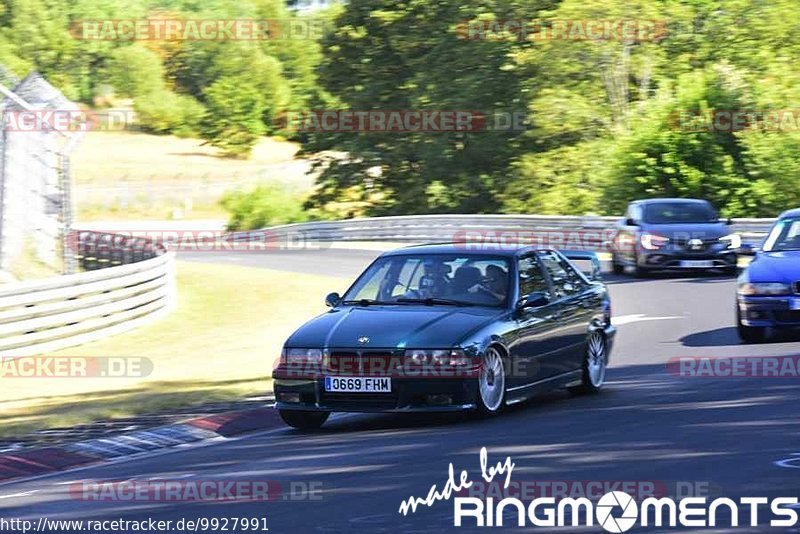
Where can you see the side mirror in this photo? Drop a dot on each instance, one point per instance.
(630, 222)
(536, 299)
(332, 300)
(729, 221)
(747, 250)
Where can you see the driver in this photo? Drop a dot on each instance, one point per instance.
(434, 282)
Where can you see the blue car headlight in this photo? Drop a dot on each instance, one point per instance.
(763, 288)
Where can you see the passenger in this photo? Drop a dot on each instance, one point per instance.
(495, 283)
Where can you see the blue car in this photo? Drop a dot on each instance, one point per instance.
(768, 290)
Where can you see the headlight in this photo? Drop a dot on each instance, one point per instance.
(764, 288)
(733, 241)
(451, 357)
(653, 241)
(301, 356)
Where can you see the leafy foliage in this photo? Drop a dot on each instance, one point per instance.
(233, 122)
(267, 205)
(601, 126)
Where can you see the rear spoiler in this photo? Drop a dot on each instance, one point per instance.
(584, 255)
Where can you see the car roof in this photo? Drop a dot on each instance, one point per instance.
(790, 213)
(464, 249)
(675, 200)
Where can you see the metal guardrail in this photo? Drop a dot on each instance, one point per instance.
(127, 284)
(131, 280)
(567, 232)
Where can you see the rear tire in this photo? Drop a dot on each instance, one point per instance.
(304, 420)
(594, 365)
(492, 383)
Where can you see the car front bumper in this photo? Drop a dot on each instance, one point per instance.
(679, 258)
(407, 395)
(780, 311)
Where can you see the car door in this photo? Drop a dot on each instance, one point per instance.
(535, 341)
(576, 306)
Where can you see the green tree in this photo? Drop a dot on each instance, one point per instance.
(135, 71)
(233, 120)
(409, 55)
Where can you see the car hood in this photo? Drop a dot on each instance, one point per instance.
(775, 267)
(704, 231)
(392, 326)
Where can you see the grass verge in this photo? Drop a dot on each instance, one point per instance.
(220, 344)
(134, 175)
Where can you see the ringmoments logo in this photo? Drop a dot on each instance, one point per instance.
(605, 508)
(615, 511)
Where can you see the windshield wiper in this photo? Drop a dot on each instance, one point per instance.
(432, 301)
(367, 302)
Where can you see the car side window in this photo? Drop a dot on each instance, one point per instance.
(574, 274)
(636, 212)
(564, 278)
(408, 277)
(531, 277)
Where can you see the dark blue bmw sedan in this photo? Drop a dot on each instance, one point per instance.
(449, 328)
(768, 290)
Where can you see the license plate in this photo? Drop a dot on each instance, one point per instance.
(358, 384)
(697, 263)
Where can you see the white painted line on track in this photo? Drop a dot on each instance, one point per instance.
(789, 463)
(22, 494)
(639, 317)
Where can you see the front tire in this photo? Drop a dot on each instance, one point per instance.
(594, 365)
(304, 420)
(638, 270)
(616, 267)
(749, 334)
(492, 383)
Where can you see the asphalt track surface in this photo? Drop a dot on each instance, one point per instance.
(722, 436)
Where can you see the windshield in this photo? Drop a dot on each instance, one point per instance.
(434, 279)
(785, 235)
(679, 213)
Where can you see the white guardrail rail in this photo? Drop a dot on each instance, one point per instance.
(568, 232)
(130, 282)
